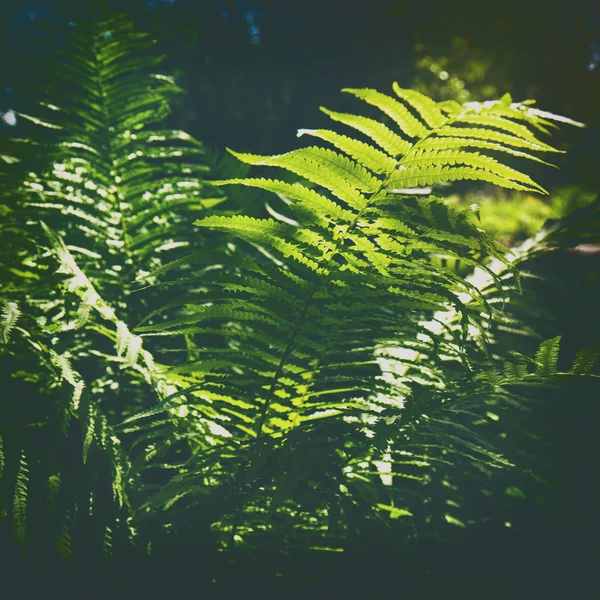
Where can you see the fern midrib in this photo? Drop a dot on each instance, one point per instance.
(316, 284)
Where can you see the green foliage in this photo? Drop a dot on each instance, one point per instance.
(340, 377)
(297, 384)
(115, 193)
(20, 502)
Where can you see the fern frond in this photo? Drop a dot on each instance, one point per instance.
(107, 544)
(428, 109)
(434, 174)
(447, 143)
(339, 322)
(471, 159)
(63, 542)
(62, 362)
(89, 433)
(53, 485)
(393, 109)
(8, 319)
(547, 357)
(116, 177)
(505, 139)
(344, 178)
(107, 200)
(384, 137)
(19, 512)
(377, 161)
(585, 360)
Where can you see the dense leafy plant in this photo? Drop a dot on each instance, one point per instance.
(115, 192)
(346, 378)
(326, 381)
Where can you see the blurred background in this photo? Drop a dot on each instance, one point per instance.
(254, 72)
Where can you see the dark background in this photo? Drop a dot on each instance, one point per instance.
(255, 72)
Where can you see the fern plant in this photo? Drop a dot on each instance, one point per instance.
(332, 384)
(340, 377)
(118, 191)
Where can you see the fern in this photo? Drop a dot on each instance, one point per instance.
(20, 501)
(299, 380)
(119, 182)
(116, 189)
(547, 357)
(323, 354)
(585, 360)
(10, 315)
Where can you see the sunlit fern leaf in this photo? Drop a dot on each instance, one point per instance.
(67, 373)
(377, 161)
(89, 433)
(341, 176)
(8, 318)
(445, 143)
(470, 159)
(383, 136)
(324, 335)
(427, 108)
(107, 544)
(491, 135)
(397, 111)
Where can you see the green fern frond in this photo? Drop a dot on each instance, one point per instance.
(547, 357)
(407, 123)
(447, 143)
(63, 542)
(89, 433)
(373, 159)
(67, 373)
(108, 202)
(585, 360)
(53, 485)
(505, 139)
(339, 322)
(427, 108)
(8, 319)
(341, 176)
(107, 544)
(384, 137)
(317, 206)
(471, 159)
(19, 512)
(118, 182)
(431, 175)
